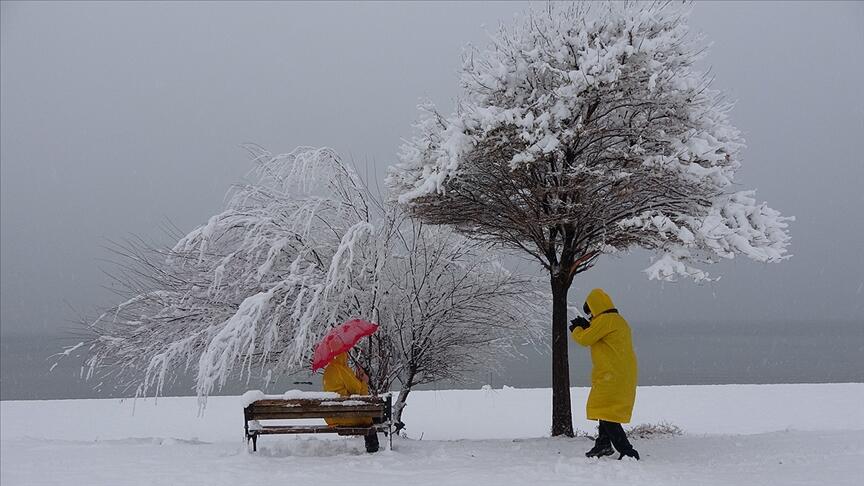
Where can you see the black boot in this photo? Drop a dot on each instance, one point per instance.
(600, 450)
(629, 453)
(371, 441)
(602, 446)
(618, 438)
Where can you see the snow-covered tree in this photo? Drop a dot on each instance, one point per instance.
(448, 307)
(587, 129)
(300, 248)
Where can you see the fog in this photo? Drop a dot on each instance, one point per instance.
(117, 117)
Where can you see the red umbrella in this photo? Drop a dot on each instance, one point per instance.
(340, 339)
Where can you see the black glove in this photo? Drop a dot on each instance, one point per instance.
(579, 322)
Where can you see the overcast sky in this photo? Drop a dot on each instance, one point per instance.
(118, 116)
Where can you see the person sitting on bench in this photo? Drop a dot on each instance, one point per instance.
(339, 378)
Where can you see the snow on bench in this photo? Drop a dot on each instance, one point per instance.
(296, 404)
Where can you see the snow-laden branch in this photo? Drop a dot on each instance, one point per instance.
(300, 247)
(586, 128)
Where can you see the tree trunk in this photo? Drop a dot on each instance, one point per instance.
(398, 407)
(562, 418)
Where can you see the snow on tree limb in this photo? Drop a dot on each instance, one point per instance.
(585, 128)
(300, 247)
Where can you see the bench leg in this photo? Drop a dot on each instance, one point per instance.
(390, 435)
(255, 443)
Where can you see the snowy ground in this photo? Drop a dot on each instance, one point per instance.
(734, 434)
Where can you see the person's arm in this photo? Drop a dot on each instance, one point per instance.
(597, 330)
(354, 386)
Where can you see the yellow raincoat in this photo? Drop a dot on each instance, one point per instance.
(340, 378)
(614, 369)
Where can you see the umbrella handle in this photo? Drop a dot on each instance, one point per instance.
(357, 364)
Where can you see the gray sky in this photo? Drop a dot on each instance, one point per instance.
(117, 116)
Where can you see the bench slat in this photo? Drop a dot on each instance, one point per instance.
(316, 408)
(314, 429)
(282, 415)
(315, 402)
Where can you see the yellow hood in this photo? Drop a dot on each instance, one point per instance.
(599, 302)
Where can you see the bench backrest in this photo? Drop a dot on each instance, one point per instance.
(343, 407)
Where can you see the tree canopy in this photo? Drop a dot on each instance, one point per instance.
(300, 247)
(586, 129)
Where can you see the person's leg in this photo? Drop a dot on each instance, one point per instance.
(603, 438)
(619, 440)
(602, 445)
(371, 441)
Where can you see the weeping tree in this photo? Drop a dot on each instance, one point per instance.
(301, 247)
(587, 129)
(448, 307)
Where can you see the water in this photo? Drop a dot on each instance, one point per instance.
(669, 354)
(720, 353)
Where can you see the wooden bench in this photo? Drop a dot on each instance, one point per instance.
(377, 408)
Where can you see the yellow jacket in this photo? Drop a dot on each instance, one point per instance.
(614, 369)
(340, 378)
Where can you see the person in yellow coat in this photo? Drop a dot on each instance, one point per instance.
(341, 379)
(614, 373)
